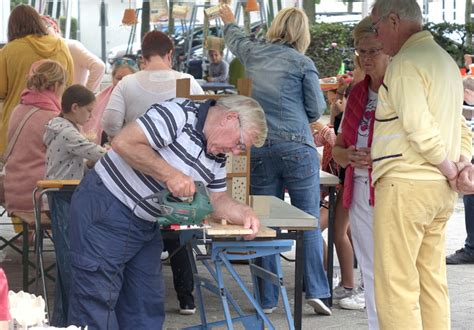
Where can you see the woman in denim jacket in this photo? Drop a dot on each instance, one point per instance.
(286, 84)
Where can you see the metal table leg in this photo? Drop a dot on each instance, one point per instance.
(299, 260)
(331, 219)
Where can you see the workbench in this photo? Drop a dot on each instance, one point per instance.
(330, 181)
(223, 244)
(276, 213)
(290, 223)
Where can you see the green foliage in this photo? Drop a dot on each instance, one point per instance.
(73, 31)
(452, 38)
(331, 43)
(14, 3)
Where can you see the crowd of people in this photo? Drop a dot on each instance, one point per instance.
(396, 138)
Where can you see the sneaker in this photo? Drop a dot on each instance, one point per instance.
(164, 255)
(341, 292)
(186, 304)
(269, 310)
(187, 309)
(354, 302)
(460, 257)
(319, 306)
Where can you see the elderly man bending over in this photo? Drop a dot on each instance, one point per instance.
(115, 240)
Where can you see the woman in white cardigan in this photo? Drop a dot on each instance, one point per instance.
(134, 95)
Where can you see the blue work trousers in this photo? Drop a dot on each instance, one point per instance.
(277, 166)
(115, 257)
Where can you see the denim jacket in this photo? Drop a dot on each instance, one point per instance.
(284, 82)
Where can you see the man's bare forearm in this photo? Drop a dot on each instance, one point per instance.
(144, 159)
(131, 144)
(227, 208)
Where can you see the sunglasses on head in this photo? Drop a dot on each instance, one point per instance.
(127, 61)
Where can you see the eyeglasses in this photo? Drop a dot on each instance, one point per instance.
(241, 144)
(367, 53)
(374, 27)
(127, 61)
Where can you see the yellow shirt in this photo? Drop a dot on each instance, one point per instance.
(419, 113)
(16, 58)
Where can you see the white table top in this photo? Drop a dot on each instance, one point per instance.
(328, 179)
(274, 212)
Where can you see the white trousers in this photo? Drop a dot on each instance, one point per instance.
(361, 220)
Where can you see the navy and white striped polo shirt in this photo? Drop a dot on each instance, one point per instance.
(174, 131)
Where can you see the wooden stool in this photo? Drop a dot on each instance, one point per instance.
(28, 221)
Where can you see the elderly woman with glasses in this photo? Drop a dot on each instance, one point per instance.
(285, 82)
(352, 151)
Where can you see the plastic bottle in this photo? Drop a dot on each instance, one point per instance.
(4, 307)
(342, 68)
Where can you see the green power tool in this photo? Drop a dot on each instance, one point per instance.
(177, 212)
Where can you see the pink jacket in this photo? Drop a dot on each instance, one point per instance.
(94, 126)
(26, 164)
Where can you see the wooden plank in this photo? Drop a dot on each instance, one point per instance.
(56, 183)
(183, 87)
(217, 229)
(29, 218)
(237, 175)
(244, 86)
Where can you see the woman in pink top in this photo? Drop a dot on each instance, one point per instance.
(93, 128)
(26, 164)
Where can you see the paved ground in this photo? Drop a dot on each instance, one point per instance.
(460, 278)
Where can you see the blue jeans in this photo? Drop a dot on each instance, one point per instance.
(115, 263)
(59, 207)
(277, 166)
(469, 219)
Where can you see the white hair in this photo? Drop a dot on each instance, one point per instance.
(408, 10)
(251, 115)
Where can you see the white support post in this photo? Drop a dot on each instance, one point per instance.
(4, 14)
(55, 9)
(67, 33)
(365, 8)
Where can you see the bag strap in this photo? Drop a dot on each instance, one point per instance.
(12, 142)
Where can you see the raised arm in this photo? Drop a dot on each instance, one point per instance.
(235, 39)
